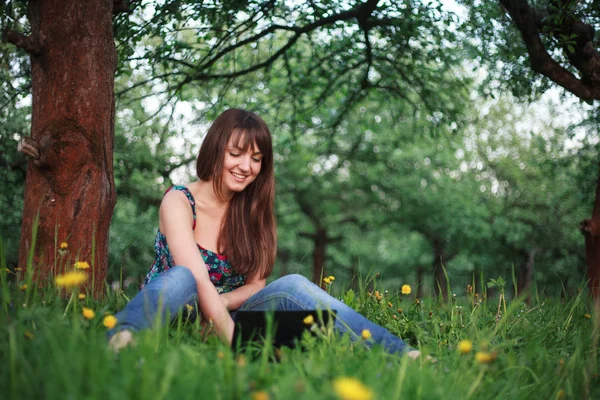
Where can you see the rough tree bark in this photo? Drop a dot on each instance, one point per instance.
(525, 274)
(591, 231)
(70, 174)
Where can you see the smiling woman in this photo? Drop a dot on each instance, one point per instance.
(216, 244)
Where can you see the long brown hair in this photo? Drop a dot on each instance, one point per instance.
(248, 233)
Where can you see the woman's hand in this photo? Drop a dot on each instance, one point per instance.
(225, 300)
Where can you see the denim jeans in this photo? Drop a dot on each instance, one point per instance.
(168, 293)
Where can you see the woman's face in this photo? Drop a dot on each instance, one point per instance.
(240, 168)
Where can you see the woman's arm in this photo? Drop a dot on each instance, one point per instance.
(176, 224)
(234, 299)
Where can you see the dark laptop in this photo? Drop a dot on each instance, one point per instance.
(252, 326)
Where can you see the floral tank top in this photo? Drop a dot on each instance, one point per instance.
(220, 270)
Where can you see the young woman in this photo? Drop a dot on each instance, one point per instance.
(216, 244)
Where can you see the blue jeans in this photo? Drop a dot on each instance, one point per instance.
(169, 293)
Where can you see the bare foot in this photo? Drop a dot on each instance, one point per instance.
(119, 340)
(414, 354)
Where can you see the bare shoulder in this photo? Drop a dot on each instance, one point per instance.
(174, 207)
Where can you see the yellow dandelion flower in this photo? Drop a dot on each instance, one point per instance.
(241, 361)
(484, 357)
(366, 334)
(81, 296)
(390, 304)
(17, 269)
(351, 389)
(88, 313)
(327, 280)
(331, 278)
(189, 307)
(28, 335)
(82, 265)
(64, 245)
(465, 346)
(587, 316)
(308, 320)
(406, 289)
(23, 287)
(260, 395)
(109, 321)
(70, 279)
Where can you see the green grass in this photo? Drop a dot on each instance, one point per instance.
(543, 351)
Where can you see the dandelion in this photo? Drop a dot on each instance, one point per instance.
(484, 357)
(465, 346)
(260, 395)
(28, 335)
(351, 389)
(378, 295)
(70, 279)
(308, 320)
(23, 287)
(82, 265)
(241, 361)
(189, 307)
(64, 245)
(109, 321)
(17, 269)
(327, 281)
(331, 278)
(88, 313)
(81, 296)
(587, 316)
(390, 304)
(406, 289)
(399, 311)
(366, 334)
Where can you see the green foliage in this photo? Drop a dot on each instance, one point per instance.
(535, 352)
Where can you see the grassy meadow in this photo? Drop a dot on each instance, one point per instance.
(54, 347)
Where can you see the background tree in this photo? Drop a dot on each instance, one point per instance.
(559, 41)
(182, 44)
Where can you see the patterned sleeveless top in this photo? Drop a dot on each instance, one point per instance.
(220, 270)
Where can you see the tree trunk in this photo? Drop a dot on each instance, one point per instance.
(525, 275)
(439, 277)
(71, 183)
(420, 281)
(591, 231)
(320, 239)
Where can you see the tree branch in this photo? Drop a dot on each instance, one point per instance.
(31, 45)
(526, 19)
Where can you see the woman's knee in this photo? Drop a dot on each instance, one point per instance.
(290, 282)
(177, 278)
